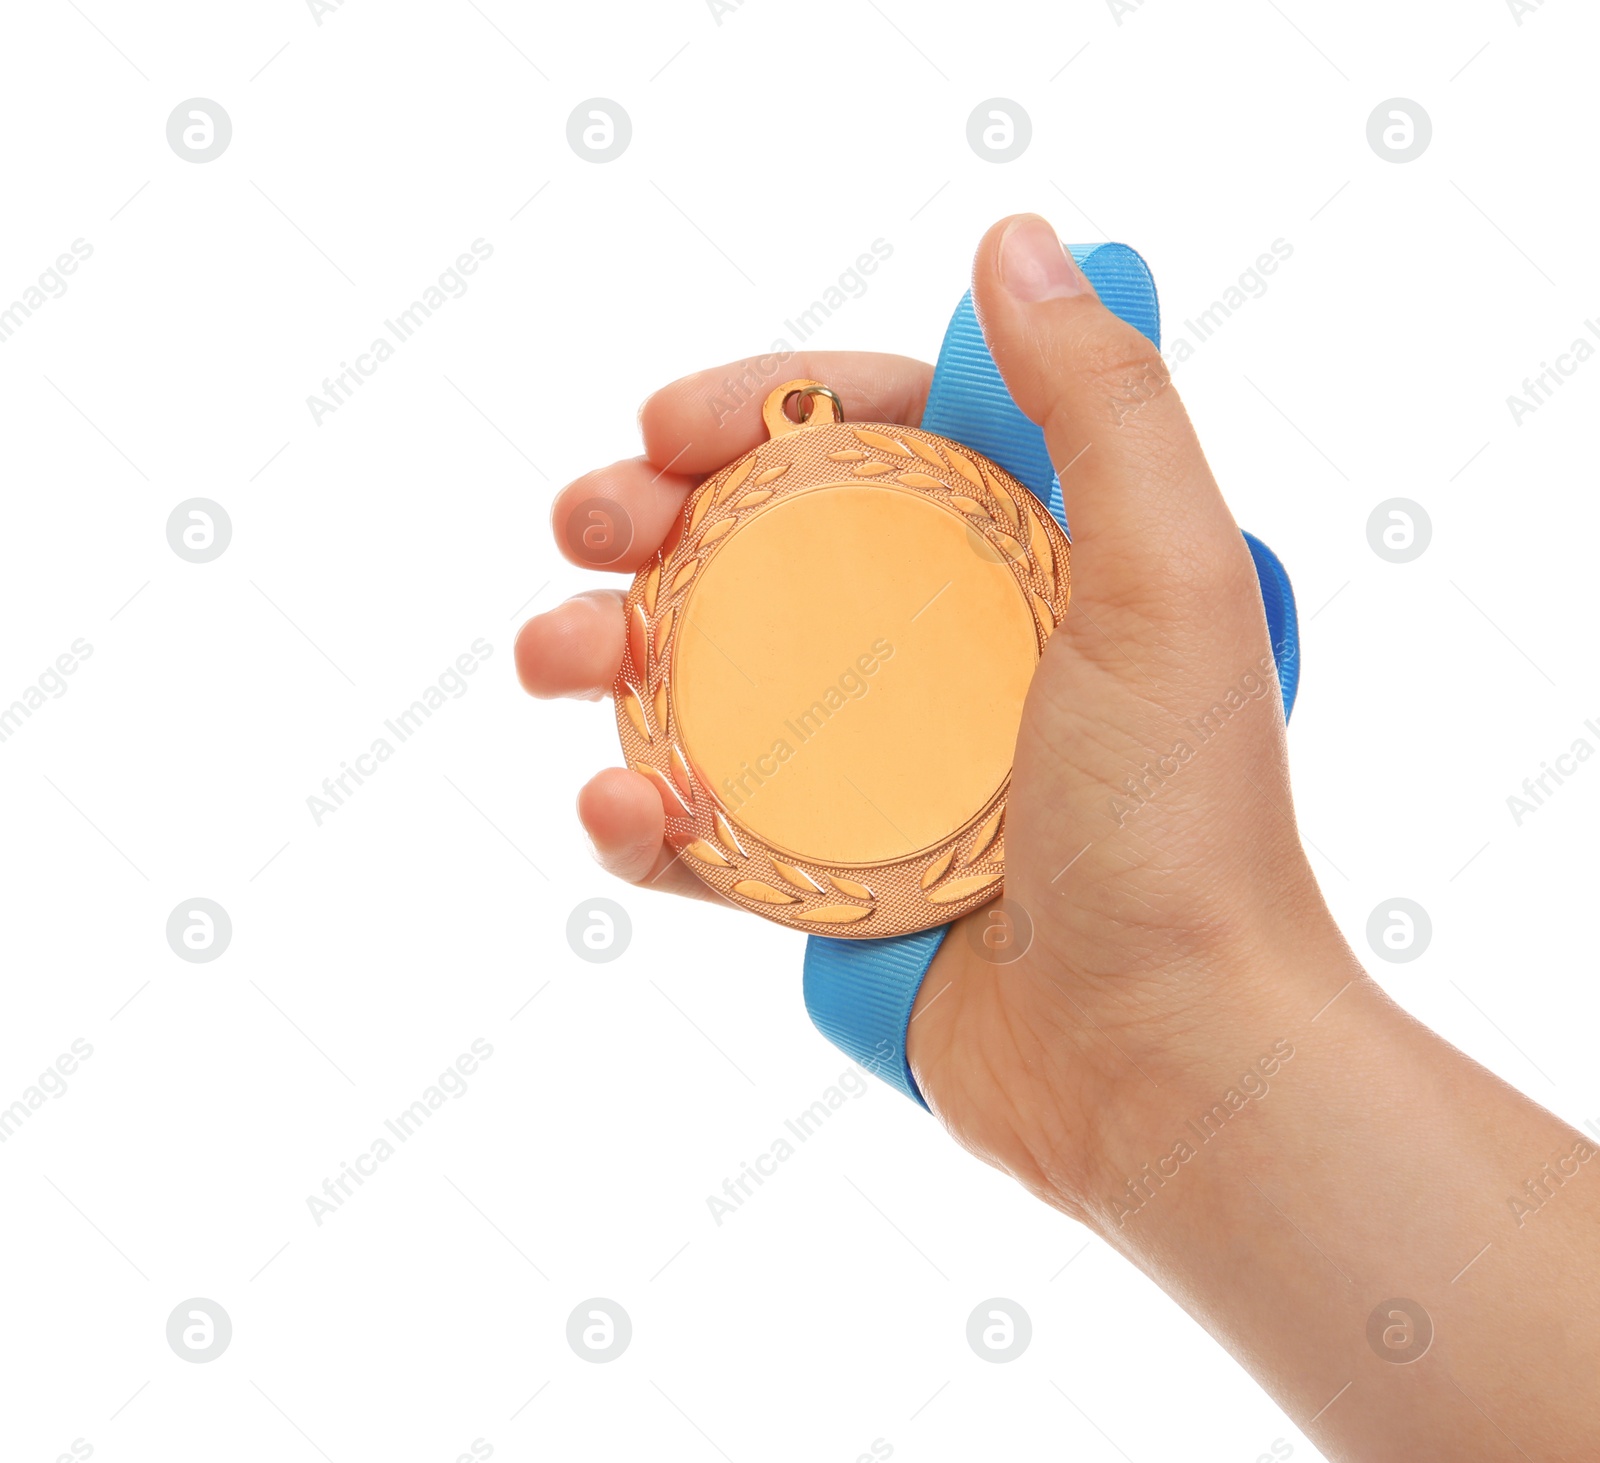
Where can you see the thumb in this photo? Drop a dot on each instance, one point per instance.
(1149, 526)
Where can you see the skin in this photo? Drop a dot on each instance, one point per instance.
(1181, 943)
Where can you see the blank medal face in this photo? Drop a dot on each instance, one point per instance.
(826, 670)
(850, 673)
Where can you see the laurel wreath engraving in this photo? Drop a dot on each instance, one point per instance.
(964, 866)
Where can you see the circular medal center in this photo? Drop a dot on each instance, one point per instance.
(849, 671)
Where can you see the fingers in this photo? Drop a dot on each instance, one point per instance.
(704, 421)
(575, 649)
(622, 814)
(1141, 500)
(614, 518)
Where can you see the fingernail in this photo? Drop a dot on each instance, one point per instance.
(1035, 265)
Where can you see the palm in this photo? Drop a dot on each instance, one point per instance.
(1115, 865)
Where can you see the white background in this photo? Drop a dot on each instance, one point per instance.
(371, 550)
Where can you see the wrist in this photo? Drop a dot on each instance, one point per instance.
(1269, 1019)
(1074, 1077)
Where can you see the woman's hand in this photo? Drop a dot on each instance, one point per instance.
(1150, 833)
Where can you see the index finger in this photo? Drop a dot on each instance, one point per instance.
(702, 422)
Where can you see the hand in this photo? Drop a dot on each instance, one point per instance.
(1140, 901)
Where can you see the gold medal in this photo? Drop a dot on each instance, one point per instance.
(825, 669)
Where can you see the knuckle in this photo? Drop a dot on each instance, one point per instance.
(1118, 370)
(1209, 577)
